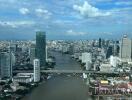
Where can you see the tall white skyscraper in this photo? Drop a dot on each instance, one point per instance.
(126, 49)
(113, 61)
(36, 70)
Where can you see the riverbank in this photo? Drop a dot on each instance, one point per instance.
(62, 86)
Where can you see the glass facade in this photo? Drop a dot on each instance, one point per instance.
(41, 48)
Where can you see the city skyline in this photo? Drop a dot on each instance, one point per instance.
(65, 19)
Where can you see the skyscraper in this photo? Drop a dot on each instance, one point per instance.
(126, 49)
(71, 49)
(116, 49)
(100, 43)
(36, 70)
(109, 51)
(6, 62)
(41, 48)
(32, 53)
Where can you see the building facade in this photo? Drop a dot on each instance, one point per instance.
(100, 43)
(36, 70)
(86, 57)
(126, 49)
(32, 53)
(6, 63)
(40, 51)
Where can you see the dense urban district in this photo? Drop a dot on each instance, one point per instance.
(105, 66)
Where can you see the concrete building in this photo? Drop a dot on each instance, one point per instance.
(41, 48)
(32, 53)
(116, 49)
(126, 49)
(100, 43)
(46, 53)
(109, 51)
(113, 61)
(106, 68)
(23, 78)
(88, 65)
(65, 49)
(71, 49)
(36, 70)
(86, 57)
(7, 60)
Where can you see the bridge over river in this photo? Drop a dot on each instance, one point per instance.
(71, 71)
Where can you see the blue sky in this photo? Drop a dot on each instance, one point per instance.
(65, 19)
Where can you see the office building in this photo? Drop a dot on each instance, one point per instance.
(86, 57)
(7, 60)
(100, 43)
(71, 49)
(41, 48)
(113, 61)
(126, 49)
(88, 65)
(116, 49)
(36, 70)
(109, 52)
(65, 49)
(46, 53)
(106, 68)
(23, 78)
(32, 53)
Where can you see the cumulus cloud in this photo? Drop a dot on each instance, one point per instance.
(71, 32)
(15, 24)
(43, 13)
(24, 11)
(88, 10)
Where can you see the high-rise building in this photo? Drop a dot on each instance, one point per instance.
(6, 63)
(116, 49)
(113, 61)
(36, 70)
(41, 48)
(126, 49)
(71, 49)
(109, 52)
(88, 65)
(32, 53)
(100, 43)
(46, 53)
(86, 57)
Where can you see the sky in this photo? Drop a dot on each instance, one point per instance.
(65, 19)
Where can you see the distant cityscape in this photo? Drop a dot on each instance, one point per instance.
(109, 63)
(65, 50)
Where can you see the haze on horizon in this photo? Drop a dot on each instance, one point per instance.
(65, 19)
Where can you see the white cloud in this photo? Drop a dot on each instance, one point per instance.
(88, 10)
(127, 3)
(71, 32)
(43, 13)
(15, 24)
(24, 11)
(107, 33)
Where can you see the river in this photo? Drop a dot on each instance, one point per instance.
(62, 86)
